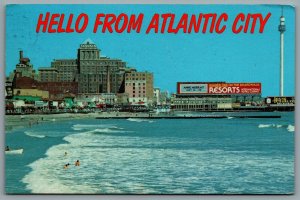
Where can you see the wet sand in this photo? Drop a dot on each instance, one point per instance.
(20, 121)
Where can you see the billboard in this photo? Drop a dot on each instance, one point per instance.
(218, 88)
(8, 89)
(192, 88)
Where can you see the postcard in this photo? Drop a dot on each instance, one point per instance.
(150, 99)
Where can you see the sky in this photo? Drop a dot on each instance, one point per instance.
(172, 58)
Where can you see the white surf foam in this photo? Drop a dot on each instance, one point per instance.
(106, 167)
(93, 126)
(270, 126)
(44, 134)
(139, 120)
(108, 130)
(48, 175)
(31, 134)
(291, 128)
(76, 129)
(265, 125)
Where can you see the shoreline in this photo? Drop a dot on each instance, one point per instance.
(13, 122)
(21, 121)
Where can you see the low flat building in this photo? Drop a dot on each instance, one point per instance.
(215, 96)
(42, 94)
(59, 90)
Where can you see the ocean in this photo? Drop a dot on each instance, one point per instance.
(159, 156)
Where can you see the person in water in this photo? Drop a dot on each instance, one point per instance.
(7, 148)
(66, 166)
(77, 163)
(66, 153)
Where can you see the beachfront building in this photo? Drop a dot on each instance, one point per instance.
(95, 74)
(164, 97)
(96, 100)
(24, 69)
(31, 94)
(47, 74)
(216, 96)
(59, 91)
(98, 74)
(89, 79)
(139, 87)
(66, 69)
(156, 96)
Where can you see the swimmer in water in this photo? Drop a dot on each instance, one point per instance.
(66, 153)
(77, 163)
(66, 166)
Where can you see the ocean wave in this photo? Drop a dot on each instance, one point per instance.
(45, 134)
(131, 169)
(139, 120)
(291, 128)
(266, 125)
(79, 127)
(270, 125)
(49, 176)
(108, 130)
(31, 134)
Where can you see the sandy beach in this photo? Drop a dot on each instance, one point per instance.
(20, 121)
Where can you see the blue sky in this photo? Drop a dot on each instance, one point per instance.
(171, 57)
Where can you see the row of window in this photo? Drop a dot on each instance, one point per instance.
(99, 80)
(139, 92)
(136, 74)
(135, 79)
(133, 84)
(200, 102)
(65, 63)
(140, 95)
(101, 63)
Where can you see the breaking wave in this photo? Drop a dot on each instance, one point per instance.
(31, 134)
(79, 127)
(140, 120)
(290, 128)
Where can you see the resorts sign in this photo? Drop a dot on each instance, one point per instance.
(218, 88)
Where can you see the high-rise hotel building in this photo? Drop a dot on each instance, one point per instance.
(94, 74)
(98, 74)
